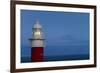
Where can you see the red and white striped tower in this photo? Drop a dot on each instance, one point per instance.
(37, 43)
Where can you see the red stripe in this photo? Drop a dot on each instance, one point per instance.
(37, 54)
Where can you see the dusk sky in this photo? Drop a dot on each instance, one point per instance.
(66, 33)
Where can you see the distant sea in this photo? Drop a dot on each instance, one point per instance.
(59, 58)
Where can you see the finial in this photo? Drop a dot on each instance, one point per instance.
(37, 24)
(37, 21)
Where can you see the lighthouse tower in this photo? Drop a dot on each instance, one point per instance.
(37, 43)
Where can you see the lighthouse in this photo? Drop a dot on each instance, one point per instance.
(37, 43)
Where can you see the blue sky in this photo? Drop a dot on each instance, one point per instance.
(66, 33)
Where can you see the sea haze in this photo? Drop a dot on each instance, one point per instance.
(61, 53)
